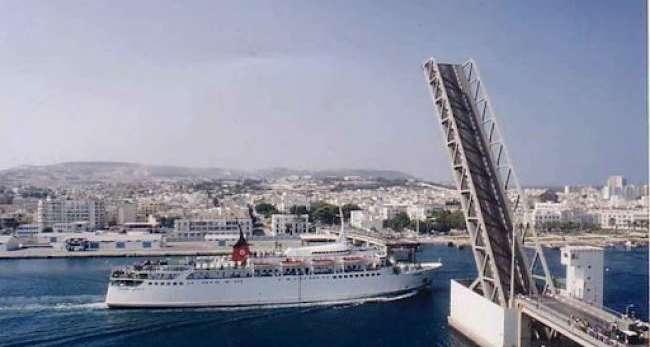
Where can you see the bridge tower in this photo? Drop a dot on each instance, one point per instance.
(492, 200)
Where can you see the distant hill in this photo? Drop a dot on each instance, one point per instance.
(281, 172)
(122, 172)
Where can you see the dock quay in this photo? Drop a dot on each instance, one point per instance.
(188, 248)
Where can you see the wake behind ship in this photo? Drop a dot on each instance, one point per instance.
(332, 272)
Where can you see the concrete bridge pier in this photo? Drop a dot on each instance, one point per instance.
(525, 330)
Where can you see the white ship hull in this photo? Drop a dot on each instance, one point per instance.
(269, 290)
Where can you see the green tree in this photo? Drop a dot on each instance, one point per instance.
(399, 222)
(266, 209)
(445, 220)
(324, 213)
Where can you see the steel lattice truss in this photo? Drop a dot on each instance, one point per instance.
(494, 206)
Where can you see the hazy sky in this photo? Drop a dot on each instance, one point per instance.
(327, 84)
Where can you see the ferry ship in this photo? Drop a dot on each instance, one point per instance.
(332, 272)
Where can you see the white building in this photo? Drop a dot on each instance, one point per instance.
(605, 192)
(545, 213)
(358, 218)
(584, 273)
(289, 224)
(102, 241)
(549, 212)
(631, 192)
(364, 220)
(58, 212)
(615, 185)
(199, 229)
(622, 218)
(27, 230)
(127, 213)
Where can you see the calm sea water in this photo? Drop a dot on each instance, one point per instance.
(59, 302)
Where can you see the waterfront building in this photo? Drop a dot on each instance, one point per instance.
(102, 241)
(549, 212)
(67, 214)
(545, 213)
(27, 230)
(289, 224)
(624, 219)
(201, 229)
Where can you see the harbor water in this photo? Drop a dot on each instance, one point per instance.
(59, 302)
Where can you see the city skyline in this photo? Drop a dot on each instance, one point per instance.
(231, 173)
(320, 86)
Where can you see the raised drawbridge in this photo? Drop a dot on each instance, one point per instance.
(513, 301)
(494, 205)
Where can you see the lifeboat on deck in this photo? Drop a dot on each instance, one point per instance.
(322, 262)
(291, 262)
(263, 264)
(354, 259)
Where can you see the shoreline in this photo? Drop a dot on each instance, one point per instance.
(171, 249)
(554, 240)
(193, 249)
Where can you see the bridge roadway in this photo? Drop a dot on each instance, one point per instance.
(376, 238)
(578, 321)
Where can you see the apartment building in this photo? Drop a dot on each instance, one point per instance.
(70, 215)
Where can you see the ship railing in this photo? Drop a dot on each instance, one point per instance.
(153, 268)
